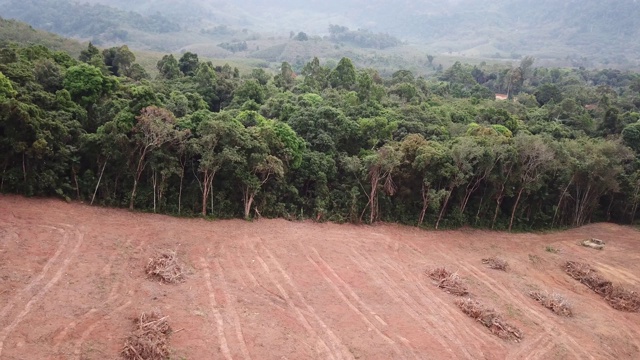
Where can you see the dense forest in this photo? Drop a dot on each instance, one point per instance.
(335, 143)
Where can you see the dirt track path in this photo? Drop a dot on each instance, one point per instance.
(72, 279)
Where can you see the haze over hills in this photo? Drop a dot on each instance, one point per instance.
(571, 33)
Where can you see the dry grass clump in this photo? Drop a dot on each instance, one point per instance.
(448, 281)
(149, 340)
(165, 267)
(496, 263)
(490, 319)
(618, 297)
(554, 302)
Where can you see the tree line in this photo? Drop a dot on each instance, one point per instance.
(332, 144)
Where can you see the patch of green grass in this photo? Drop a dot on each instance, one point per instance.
(551, 249)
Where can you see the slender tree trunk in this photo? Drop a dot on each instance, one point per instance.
(609, 208)
(180, 192)
(75, 180)
(495, 213)
(205, 195)
(133, 194)
(137, 175)
(99, 179)
(444, 207)
(154, 182)
(24, 170)
(471, 188)
(373, 196)
(425, 203)
(161, 190)
(564, 192)
(248, 196)
(4, 170)
(480, 207)
(500, 197)
(515, 207)
(636, 200)
(115, 187)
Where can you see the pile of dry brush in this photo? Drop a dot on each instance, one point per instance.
(448, 281)
(165, 267)
(618, 297)
(554, 302)
(496, 263)
(149, 340)
(489, 318)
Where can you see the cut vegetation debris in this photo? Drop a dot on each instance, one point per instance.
(165, 267)
(489, 318)
(496, 263)
(593, 243)
(623, 299)
(448, 281)
(618, 297)
(554, 302)
(149, 340)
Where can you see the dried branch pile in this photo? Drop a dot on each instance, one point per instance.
(554, 302)
(623, 299)
(448, 281)
(490, 319)
(618, 297)
(496, 263)
(165, 267)
(149, 340)
(588, 276)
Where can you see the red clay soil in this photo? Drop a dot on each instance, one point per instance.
(72, 278)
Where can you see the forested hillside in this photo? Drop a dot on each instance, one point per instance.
(591, 34)
(12, 31)
(335, 143)
(97, 22)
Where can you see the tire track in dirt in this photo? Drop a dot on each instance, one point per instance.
(27, 308)
(321, 347)
(230, 301)
(62, 247)
(449, 310)
(530, 311)
(540, 352)
(339, 350)
(525, 351)
(344, 298)
(280, 303)
(623, 323)
(382, 280)
(83, 338)
(625, 275)
(348, 288)
(57, 340)
(113, 295)
(224, 348)
(416, 294)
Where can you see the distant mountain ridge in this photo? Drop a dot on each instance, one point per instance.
(584, 32)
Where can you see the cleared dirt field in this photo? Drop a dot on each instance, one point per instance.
(72, 278)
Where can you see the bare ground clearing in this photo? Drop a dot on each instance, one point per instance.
(73, 276)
